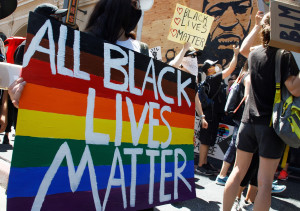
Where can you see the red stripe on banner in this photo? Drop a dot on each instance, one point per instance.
(39, 72)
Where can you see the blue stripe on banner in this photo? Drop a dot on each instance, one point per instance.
(27, 180)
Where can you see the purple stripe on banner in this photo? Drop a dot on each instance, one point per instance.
(70, 201)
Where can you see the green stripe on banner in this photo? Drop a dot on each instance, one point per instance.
(37, 152)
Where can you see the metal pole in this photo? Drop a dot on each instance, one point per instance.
(140, 27)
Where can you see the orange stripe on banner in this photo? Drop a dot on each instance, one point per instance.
(60, 101)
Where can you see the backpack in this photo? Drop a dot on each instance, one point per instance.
(235, 99)
(203, 92)
(286, 110)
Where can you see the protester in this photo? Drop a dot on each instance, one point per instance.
(229, 156)
(187, 59)
(255, 133)
(208, 136)
(3, 99)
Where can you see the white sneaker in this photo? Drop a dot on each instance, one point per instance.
(236, 205)
(247, 206)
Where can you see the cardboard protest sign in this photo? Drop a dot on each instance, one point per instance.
(100, 127)
(191, 26)
(285, 22)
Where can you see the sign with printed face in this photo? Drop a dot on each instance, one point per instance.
(191, 26)
(285, 22)
(100, 127)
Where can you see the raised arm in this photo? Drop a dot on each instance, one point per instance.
(232, 65)
(247, 84)
(178, 59)
(251, 37)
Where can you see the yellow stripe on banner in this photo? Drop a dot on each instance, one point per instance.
(60, 126)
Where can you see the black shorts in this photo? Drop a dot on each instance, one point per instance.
(252, 137)
(208, 136)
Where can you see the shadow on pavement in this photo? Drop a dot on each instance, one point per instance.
(278, 204)
(197, 203)
(5, 147)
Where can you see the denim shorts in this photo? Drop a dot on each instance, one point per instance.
(229, 156)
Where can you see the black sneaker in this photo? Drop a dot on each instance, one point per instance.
(204, 171)
(5, 139)
(211, 168)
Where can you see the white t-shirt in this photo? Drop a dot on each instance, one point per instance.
(130, 44)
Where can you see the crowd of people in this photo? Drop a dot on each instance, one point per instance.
(255, 150)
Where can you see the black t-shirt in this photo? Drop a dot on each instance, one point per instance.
(262, 91)
(214, 82)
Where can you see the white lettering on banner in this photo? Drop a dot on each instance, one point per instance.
(152, 154)
(129, 83)
(112, 181)
(178, 171)
(167, 143)
(117, 64)
(160, 90)
(119, 120)
(90, 136)
(61, 69)
(76, 47)
(133, 152)
(132, 87)
(163, 175)
(61, 54)
(149, 79)
(180, 88)
(35, 46)
(152, 122)
(75, 175)
(136, 130)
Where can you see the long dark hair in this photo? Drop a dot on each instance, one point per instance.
(109, 18)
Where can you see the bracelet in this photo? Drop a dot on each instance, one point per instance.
(202, 116)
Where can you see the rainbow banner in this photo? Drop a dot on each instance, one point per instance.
(100, 127)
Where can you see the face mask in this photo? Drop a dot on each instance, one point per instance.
(217, 69)
(134, 18)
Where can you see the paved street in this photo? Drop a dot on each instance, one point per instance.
(209, 195)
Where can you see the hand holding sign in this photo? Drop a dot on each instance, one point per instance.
(191, 26)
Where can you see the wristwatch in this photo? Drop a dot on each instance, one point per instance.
(202, 116)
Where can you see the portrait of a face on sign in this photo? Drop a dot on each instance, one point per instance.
(233, 20)
(100, 127)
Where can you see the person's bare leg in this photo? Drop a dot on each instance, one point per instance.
(241, 189)
(251, 194)
(203, 151)
(242, 163)
(224, 169)
(266, 171)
